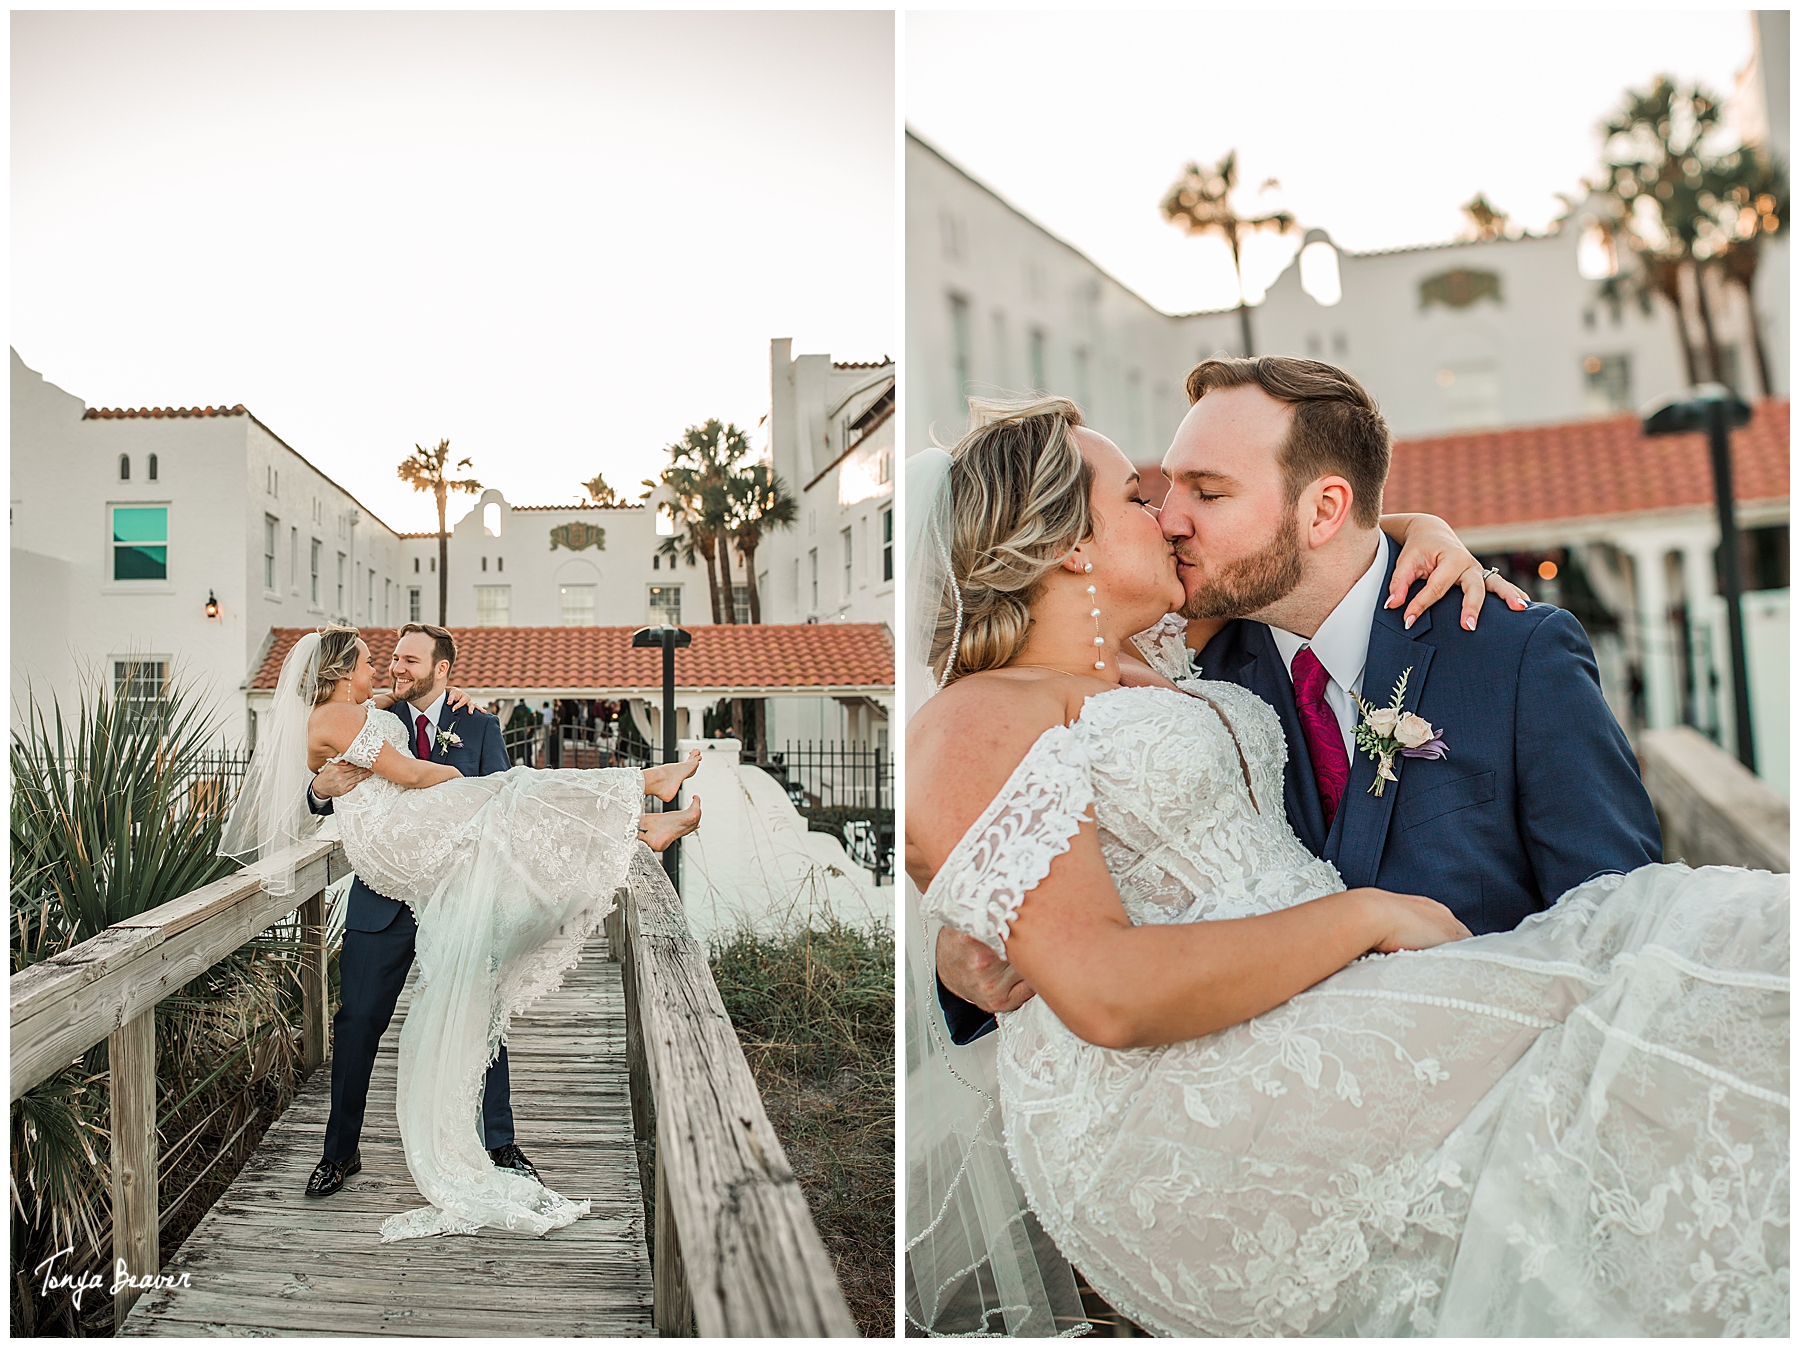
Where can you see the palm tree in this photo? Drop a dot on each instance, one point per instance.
(1200, 203)
(428, 470)
(760, 501)
(599, 494)
(1659, 178)
(1751, 202)
(699, 508)
(1487, 220)
(711, 454)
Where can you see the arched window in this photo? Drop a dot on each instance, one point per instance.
(153, 467)
(124, 467)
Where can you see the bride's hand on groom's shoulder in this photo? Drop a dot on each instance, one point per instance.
(1432, 552)
(457, 700)
(976, 974)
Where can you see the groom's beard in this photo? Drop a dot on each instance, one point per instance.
(420, 688)
(1251, 583)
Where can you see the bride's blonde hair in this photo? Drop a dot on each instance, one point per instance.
(1019, 491)
(337, 660)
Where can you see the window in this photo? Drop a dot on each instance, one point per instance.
(499, 563)
(1608, 384)
(153, 467)
(740, 601)
(812, 558)
(490, 519)
(412, 604)
(415, 566)
(269, 526)
(577, 605)
(484, 563)
(140, 683)
(1470, 396)
(656, 561)
(665, 605)
(340, 584)
(1037, 360)
(848, 539)
(887, 544)
(294, 558)
(140, 542)
(369, 612)
(124, 467)
(316, 545)
(493, 605)
(959, 344)
(387, 600)
(1082, 395)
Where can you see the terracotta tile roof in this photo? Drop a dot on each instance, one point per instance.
(861, 364)
(1581, 469)
(110, 413)
(586, 505)
(785, 655)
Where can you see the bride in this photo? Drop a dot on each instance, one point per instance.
(1217, 1109)
(508, 875)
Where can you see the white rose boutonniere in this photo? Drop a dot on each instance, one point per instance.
(1389, 732)
(448, 739)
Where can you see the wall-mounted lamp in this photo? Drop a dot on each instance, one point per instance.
(212, 605)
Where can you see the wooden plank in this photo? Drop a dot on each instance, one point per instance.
(313, 992)
(267, 1261)
(131, 1055)
(754, 1265)
(71, 1004)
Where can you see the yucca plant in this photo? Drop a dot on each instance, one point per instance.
(116, 809)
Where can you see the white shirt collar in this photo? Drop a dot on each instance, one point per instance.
(434, 713)
(1342, 641)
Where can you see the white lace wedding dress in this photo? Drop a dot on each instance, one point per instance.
(1580, 1127)
(508, 875)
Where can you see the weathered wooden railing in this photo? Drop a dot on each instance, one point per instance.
(108, 987)
(1714, 811)
(736, 1251)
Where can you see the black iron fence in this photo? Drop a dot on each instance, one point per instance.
(845, 789)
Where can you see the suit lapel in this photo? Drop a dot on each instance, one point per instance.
(1264, 673)
(1360, 832)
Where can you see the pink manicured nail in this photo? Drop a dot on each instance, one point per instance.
(1469, 623)
(1410, 619)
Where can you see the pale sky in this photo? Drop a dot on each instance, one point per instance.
(556, 239)
(1379, 126)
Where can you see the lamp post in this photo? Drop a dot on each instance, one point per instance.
(1713, 408)
(669, 638)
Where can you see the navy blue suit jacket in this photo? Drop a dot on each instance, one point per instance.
(482, 751)
(1539, 792)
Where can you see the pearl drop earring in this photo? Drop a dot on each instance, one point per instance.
(1094, 613)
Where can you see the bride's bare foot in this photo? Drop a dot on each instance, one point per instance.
(659, 830)
(664, 781)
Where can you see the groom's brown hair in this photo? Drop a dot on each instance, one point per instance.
(1337, 429)
(443, 645)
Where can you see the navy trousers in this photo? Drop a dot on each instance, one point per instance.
(373, 965)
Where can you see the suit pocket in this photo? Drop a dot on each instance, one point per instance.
(1475, 789)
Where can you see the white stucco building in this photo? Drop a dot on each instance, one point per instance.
(129, 525)
(1449, 337)
(831, 440)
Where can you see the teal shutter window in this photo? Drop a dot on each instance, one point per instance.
(140, 542)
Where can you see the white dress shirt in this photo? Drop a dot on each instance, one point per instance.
(1342, 644)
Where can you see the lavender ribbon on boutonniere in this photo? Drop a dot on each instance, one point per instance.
(1387, 733)
(447, 740)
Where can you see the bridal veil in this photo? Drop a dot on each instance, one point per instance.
(977, 1262)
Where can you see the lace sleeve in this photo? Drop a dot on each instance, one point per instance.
(366, 746)
(1007, 852)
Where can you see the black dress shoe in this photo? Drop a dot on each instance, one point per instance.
(328, 1176)
(510, 1157)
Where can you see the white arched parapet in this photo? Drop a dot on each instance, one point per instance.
(1319, 268)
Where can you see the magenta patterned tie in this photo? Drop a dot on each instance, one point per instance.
(1324, 738)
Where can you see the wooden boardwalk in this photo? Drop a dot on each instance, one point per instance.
(267, 1260)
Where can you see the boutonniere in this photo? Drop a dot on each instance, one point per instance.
(448, 739)
(1387, 733)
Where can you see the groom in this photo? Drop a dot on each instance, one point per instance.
(379, 931)
(1274, 505)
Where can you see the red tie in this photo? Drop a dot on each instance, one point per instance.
(424, 749)
(1324, 738)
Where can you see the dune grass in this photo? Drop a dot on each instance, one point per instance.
(815, 1015)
